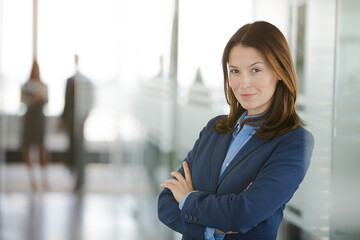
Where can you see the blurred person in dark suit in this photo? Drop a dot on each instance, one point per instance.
(34, 95)
(78, 103)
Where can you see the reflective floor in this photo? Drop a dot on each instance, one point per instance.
(118, 203)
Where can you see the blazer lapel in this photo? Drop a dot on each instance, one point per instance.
(253, 143)
(218, 157)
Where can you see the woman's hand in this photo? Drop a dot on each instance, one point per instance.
(180, 186)
(217, 231)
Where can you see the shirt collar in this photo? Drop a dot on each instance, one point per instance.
(244, 116)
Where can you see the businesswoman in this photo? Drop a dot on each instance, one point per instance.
(34, 94)
(245, 166)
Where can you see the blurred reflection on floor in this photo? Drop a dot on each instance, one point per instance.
(118, 203)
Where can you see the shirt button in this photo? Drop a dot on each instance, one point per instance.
(186, 216)
(190, 217)
(227, 164)
(195, 219)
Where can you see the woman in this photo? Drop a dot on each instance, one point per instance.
(34, 95)
(245, 166)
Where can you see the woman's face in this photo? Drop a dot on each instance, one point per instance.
(252, 79)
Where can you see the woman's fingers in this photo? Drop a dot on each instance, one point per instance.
(248, 186)
(178, 176)
(167, 185)
(187, 171)
(179, 180)
(170, 183)
(217, 231)
(180, 186)
(173, 181)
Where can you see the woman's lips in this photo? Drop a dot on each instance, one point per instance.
(247, 96)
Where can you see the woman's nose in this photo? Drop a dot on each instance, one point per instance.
(244, 82)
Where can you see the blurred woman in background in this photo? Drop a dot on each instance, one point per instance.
(34, 95)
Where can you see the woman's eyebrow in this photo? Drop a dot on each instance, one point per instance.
(255, 63)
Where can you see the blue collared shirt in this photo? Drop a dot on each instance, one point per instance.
(239, 138)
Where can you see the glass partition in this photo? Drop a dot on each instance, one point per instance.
(345, 195)
(313, 46)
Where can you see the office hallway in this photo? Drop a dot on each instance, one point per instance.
(118, 203)
(158, 69)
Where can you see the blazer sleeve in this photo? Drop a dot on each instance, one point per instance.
(276, 182)
(168, 208)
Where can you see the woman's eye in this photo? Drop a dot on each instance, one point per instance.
(255, 70)
(234, 71)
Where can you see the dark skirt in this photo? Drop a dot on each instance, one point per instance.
(34, 125)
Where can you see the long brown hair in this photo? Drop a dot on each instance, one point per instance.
(281, 117)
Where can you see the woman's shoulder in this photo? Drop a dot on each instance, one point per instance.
(299, 133)
(208, 129)
(301, 130)
(212, 121)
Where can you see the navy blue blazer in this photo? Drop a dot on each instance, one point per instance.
(275, 167)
